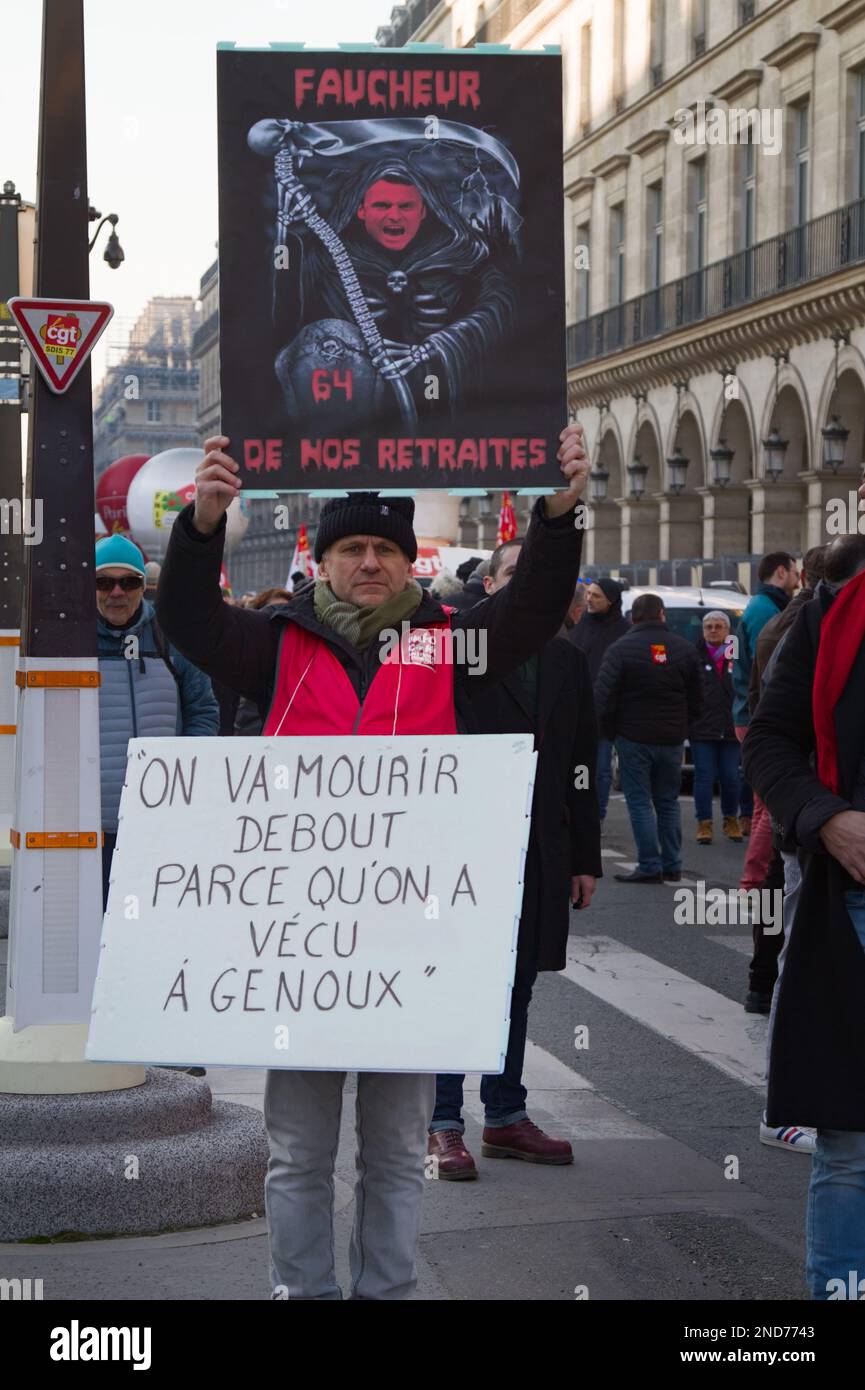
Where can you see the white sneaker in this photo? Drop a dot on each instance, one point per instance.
(789, 1137)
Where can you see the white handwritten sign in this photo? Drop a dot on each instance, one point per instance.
(333, 903)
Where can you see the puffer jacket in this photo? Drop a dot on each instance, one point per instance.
(768, 601)
(139, 697)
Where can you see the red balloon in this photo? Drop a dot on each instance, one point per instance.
(111, 490)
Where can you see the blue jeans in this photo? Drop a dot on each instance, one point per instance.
(604, 773)
(504, 1097)
(836, 1197)
(715, 760)
(651, 780)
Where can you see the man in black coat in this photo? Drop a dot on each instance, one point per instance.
(549, 696)
(365, 547)
(602, 624)
(647, 693)
(805, 754)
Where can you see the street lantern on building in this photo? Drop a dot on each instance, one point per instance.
(599, 477)
(677, 463)
(637, 470)
(722, 463)
(775, 448)
(834, 434)
(722, 456)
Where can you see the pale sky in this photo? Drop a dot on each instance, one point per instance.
(151, 123)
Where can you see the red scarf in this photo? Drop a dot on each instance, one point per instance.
(841, 635)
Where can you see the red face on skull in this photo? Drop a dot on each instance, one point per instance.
(392, 213)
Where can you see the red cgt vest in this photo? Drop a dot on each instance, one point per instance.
(411, 693)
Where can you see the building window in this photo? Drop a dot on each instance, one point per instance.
(801, 161)
(586, 78)
(581, 261)
(617, 254)
(748, 226)
(746, 11)
(698, 27)
(699, 218)
(618, 55)
(657, 15)
(154, 412)
(655, 235)
(859, 136)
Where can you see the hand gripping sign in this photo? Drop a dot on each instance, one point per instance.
(342, 904)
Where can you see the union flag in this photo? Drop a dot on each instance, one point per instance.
(507, 530)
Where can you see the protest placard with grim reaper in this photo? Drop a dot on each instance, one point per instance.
(391, 300)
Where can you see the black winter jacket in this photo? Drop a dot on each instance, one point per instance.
(239, 646)
(715, 722)
(595, 633)
(565, 837)
(649, 686)
(817, 1063)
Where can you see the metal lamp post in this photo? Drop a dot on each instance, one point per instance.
(56, 899)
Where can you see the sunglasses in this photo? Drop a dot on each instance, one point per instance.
(129, 583)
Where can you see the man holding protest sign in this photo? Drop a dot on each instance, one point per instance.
(326, 665)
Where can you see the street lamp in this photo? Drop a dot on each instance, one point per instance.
(677, 468)
(834, 434)
(599, 477)
(598, 480)
(677, 463)
(637, 472)
(775, 448)
(114, 254)
(721, 455)
(722, 463)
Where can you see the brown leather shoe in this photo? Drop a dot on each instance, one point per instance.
(525, 1140)
(453, 1160)
(731, 829)
(704, 832)
(745, 825)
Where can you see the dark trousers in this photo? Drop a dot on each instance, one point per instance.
(763, 970)
(504, 1097)
(715, 760)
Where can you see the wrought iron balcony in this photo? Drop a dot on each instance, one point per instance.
(795, 257)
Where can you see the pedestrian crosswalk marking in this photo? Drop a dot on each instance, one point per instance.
(743, 944)
(697, 1018)
(611, 853)
(560, 1095)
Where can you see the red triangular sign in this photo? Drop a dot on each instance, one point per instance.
(61, 334)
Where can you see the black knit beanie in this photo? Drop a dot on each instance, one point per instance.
(367, 514)
(610, 589)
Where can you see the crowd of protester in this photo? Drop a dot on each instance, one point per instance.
(774, 704)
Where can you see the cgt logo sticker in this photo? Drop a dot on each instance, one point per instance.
(61, 334)
(659, 654)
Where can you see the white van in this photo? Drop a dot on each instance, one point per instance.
(686, 608)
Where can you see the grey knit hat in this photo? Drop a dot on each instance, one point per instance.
(367, 514)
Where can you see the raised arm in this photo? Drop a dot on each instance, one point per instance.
(234, 645)
(528, 612)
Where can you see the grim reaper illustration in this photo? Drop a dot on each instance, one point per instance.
(395, 259)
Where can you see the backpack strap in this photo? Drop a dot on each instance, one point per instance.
(163, 649)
